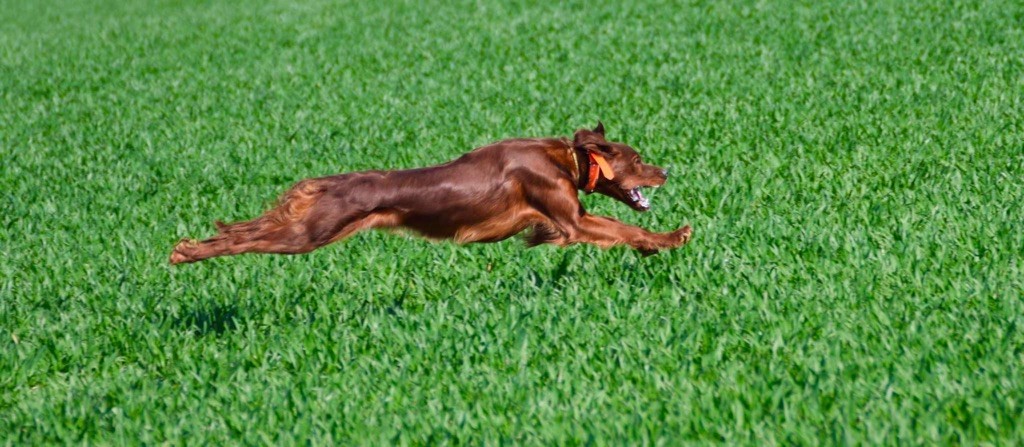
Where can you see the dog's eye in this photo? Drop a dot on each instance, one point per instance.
(636, 160)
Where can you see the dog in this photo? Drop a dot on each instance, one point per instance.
(487, 195)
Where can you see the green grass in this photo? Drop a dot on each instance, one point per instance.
(854, 173)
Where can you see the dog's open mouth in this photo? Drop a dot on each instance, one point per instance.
(638, 200)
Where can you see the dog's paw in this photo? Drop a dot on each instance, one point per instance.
(182, 251)
(682, 235)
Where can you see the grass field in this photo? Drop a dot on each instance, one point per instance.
(853, 173)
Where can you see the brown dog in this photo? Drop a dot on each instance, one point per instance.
(487, 195)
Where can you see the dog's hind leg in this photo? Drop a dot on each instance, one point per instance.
(280, 230)
(290, 239)
(308, 218)
(282, 240)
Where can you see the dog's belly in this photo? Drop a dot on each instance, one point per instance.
(493, 230)
(464, 229)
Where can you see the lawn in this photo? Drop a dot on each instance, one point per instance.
(853, 172)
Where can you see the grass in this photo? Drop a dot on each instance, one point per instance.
(853, 173)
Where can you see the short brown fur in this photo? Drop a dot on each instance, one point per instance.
(487, 195)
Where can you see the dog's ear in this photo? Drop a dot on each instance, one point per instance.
(587, 136)
(593, 140)
(605, 149)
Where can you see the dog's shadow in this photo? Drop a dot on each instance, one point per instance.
(211, 318)
(205, 318)
(560, 271)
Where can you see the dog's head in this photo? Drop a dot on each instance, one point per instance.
(629, 172)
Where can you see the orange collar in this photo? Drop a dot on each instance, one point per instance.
(598, 166)
(592, 174)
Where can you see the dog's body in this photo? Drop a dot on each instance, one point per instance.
(487, 195)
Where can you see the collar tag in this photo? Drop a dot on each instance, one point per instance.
(598, 166)
(606, 169)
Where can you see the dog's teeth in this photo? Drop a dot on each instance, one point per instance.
(639, 195)
(638, 198)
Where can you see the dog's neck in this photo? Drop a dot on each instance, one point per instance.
(583, 170)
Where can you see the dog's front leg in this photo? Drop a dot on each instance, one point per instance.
(607, 232)
(569, 223)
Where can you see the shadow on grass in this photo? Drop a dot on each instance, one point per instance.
(211, 319)
(553, 279)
